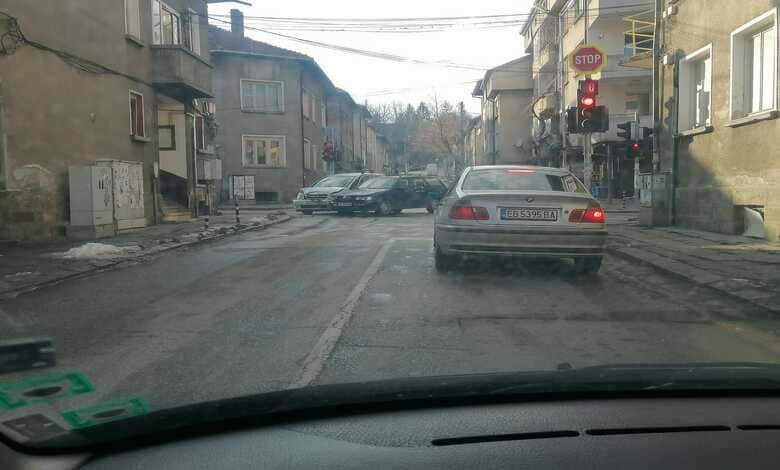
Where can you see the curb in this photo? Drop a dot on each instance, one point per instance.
(13, 293)
(676, 274)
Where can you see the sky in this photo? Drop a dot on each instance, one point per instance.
(383, 81)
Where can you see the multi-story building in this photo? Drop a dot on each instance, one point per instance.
(473, 143)
(340, 108)
(719, 162)
(82, 83)
(272, 116)
(620, 28)
(506, 94)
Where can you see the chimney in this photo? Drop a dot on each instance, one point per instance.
(237, 23)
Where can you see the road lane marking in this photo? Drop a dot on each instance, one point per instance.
(315, 360)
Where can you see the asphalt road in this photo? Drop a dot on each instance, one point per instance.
(326, 299)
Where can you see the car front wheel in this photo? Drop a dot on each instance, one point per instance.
(384, 208)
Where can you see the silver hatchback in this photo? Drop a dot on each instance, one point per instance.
(519, 211)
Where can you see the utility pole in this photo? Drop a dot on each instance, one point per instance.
(562, 90)
(610, 174)
(587, 145)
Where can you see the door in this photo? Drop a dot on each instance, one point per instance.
(402, 194)
(243, 187)
(419, 193)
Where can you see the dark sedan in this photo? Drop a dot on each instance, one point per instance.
(387, 195)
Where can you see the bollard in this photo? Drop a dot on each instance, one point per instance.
(207, 224)
(238, 214)
(623, 198)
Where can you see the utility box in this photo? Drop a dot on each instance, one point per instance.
(105, 198)
(91, 202)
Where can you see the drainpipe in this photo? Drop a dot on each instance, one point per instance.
(303, 152)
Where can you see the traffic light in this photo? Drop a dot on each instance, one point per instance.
(625, 131)
(590, 117)
(634, 150)
(647, 141)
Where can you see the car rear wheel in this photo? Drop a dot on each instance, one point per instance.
(444, 262)
(308, 212)
(429, 207)
(589, 265)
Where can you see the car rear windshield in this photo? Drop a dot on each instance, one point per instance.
(507, 179)
(383, 182)
(335, 181)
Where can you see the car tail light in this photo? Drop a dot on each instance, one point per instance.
(469, 213)
(591, 215)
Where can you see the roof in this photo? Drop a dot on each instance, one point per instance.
(478, 88)
(223, 41)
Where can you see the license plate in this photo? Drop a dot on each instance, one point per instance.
(344, 204)
(529, 213)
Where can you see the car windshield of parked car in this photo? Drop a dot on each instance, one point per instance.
(382, 182)
(335, 182)
(509, 179)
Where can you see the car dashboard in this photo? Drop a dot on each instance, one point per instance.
(683, 432)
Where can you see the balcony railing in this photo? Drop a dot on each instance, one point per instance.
(638, 50)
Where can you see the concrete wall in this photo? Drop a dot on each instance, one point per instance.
(57, 116)
(514, 120)
(729, 167)
(234, 123)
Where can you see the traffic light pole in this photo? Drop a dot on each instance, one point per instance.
(587, 150)
(610, 176)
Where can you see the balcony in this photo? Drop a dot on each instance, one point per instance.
(179, 73)
(547, 58)
(638, 51)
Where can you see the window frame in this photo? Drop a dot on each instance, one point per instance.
(307, 162)
(172, 129)
(255, 137)
(177, 31)
(137, 14)
(686, 120)
(324, 114)
(306, 104)
(740, 80)
(245, 109)
(201, 146)
(133, 119)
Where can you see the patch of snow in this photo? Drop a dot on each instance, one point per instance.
(22, 274)
(99, 250)
(257, 219)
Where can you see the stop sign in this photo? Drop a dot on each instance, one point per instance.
(588, 59)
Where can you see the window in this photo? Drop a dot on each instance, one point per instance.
(193, 32)
(306, 105)
(315, 155)
(264, 151)
(166, 24)
(307, 154)
(313, 108)
(200, 132)
(132, 18)
(754, 66)
(137, 114)
(166, 136)
(696, 90)
(323, 115)
(579, 7)
(262, 96)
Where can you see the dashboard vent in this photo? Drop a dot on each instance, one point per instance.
(523, 436)
(654, 430)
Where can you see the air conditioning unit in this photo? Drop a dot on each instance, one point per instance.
(670, 11)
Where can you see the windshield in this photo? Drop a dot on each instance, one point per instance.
(514, 180)
(157, 250)
(379, 183)
(335, 182)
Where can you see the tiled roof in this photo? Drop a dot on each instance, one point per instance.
(224, 40)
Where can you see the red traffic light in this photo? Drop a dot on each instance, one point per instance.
(587, 101)
(635, 146)
(590, 87)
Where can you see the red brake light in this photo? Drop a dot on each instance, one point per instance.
(591, 215)
(469, 213)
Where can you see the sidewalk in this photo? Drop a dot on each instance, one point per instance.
(743, 268)
(28, 266)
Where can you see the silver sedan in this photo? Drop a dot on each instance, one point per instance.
(519, 211)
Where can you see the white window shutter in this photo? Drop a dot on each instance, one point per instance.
(195, 31)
